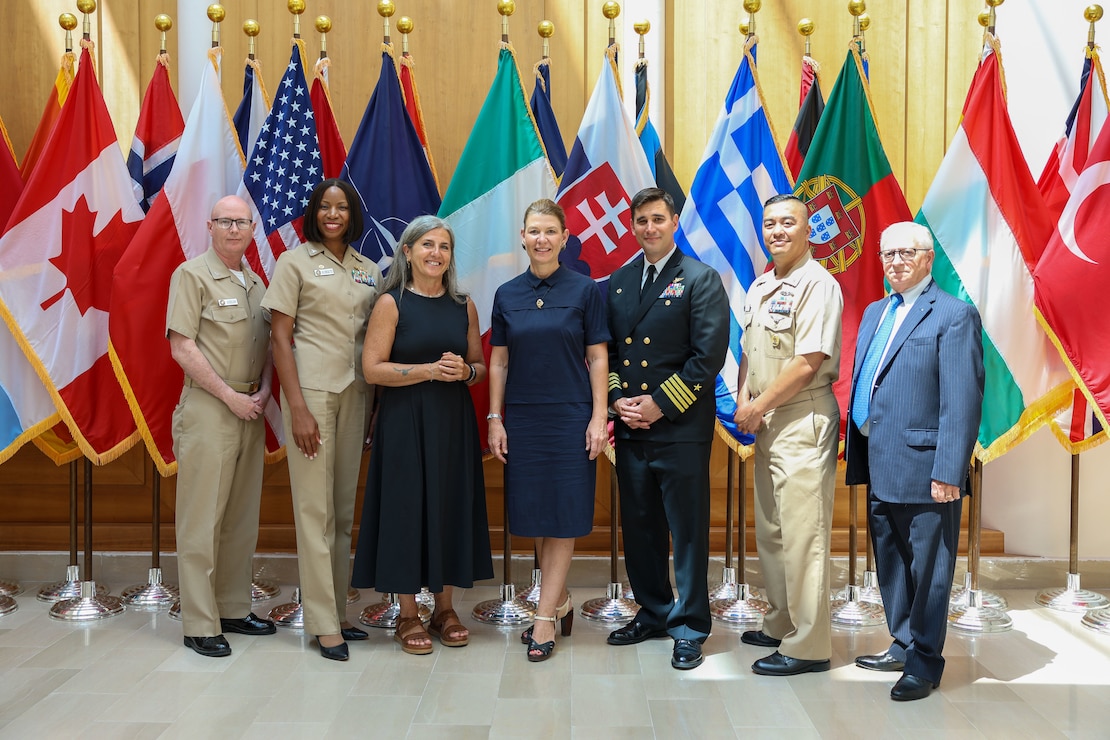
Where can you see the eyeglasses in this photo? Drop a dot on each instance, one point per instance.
(887, 255)
(225, 223)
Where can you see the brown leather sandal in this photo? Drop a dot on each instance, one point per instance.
(446, 626)
(408, 630)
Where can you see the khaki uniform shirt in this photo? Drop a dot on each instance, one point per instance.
(796, 314)
(210, 306)
(330, 302)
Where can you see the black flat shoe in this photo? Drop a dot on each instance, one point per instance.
(911, 688)
(337, 652)
(686, 655)
(248, 625)
(633, 633)
(353, 633)
(777, 664)
(880, 662)
(209, 647)
(760, 638)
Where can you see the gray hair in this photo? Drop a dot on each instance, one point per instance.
(400, 273)
(899, 235)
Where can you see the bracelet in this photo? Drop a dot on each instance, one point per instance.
(490, 417)
(473, 373)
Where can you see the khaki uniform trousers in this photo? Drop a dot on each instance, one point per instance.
(219, 487)
(324, 502)
(795, 482)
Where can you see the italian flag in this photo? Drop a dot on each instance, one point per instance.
(989, 224)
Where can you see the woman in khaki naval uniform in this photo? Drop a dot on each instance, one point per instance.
(319, 301)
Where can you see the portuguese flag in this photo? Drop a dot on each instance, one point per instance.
(852, 196)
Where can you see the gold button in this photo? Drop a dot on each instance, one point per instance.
(647, 340)
(626, 363)
(624, 384)
(643, 386)
(620, 290)
(643, 363)
(667, 303)
(628, 340)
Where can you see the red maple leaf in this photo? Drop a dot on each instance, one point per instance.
(87, 259)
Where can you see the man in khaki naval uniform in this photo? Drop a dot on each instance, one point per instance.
(219, 337)
(791, 345)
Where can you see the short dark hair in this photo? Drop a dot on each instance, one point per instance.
(650, 195)
(783, 198)
(354, 211)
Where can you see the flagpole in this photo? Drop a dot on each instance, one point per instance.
(971, 614)
(744, 609)
(505, 8)
(617, 605)
(386, 9)
(806, 27)
(68, 21)
(611, 10)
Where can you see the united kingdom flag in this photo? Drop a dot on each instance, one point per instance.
(284, 167)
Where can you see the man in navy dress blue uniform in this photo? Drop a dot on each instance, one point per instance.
(668, 318)
(917, 396)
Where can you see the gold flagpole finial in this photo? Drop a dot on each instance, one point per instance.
(993, 17)
(806, 27)
(323, 25)
(163, 23)
(642, 28)
(87, 8)
(505, 8)
(611, 10)
(296, 7)
(68, 21)
(405, 26)
(752, 6)
(386, 9)
(546, 29)
(252, 29)
(864, 24)
(856, 8)
(216, 14)
(1092, 14)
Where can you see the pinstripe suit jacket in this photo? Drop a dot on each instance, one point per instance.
(927, 401)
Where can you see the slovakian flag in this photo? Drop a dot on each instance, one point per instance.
(50, 112)
(388, 168)
(282, 170)
(989, 223)
(852, 195)
(332, 150)
(209, 166)
(811, 104)
(412, 104)
(649, 139)
(253, 107)
(544, 114)
(72, 223)
(722, 223)
(157, 136)
(606, 168)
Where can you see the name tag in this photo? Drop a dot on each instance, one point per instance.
(228, 302)
(324, 271)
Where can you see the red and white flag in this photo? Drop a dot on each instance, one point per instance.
(333, 152)
(72, 223)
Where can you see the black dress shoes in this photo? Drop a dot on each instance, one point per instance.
(336, 652)
(910, 688)
(210, 647)
(686, 655)
(777, 664)
(634, 632)
(880, 662)
(248, 625)
(353, 633)
(760, 638)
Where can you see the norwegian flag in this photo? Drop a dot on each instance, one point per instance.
(283, 169)
(157, 136)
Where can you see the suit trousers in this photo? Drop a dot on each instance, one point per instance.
(664, 496)
(324, 502)
(795, 482)
(915, 556)
(219, 487)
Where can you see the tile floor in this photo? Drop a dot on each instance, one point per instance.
(129, 677)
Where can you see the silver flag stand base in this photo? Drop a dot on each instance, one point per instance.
(977, 618)
(853, 613)
(745, 610)
(7, 605)
(1071, 598)
(152, 595)
(384, 615)
(353, 595)
(506, 611)
(728, 589)
(989, 599)
(613, 607)
(1098, 620)
(869, 591)
(263, 589)
(90, 606)
(531, 594)
(10, 588)
(290, 615)
(68, 589)
(175, 610)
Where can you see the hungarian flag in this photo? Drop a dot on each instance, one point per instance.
(811, 104)
(722, 223)
(332, 150)
(852, 196)
(50, 112)
(550, 135)
(72, 223)
(412, 104)
(990, 223)
(388, 168)
(157, 136)
(253, 107)
(649, 139)
(208, 167)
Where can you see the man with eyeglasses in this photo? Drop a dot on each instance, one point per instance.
(219, 337)
(916, 401)
(791, 341)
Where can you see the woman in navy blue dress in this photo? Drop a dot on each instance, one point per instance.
(547, 396)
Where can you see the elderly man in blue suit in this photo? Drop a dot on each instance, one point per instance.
(917, 395)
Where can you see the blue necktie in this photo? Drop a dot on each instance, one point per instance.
(861, 409)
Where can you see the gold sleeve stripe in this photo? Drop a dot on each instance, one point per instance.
(680, 395)
(614, 381)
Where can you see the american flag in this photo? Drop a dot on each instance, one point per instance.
(283, 169)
